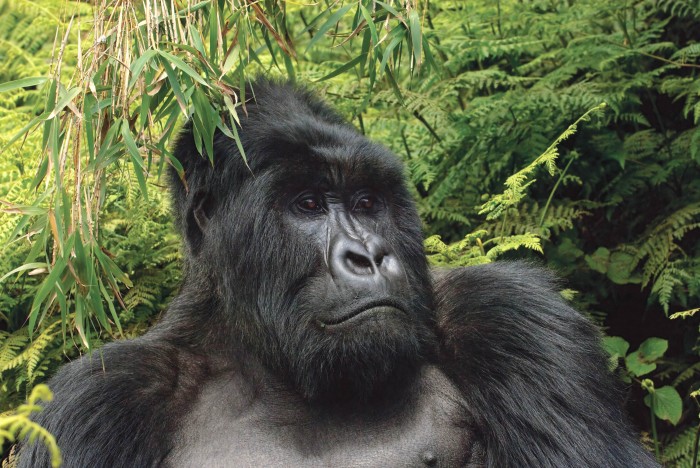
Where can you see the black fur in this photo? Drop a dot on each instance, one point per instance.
(532, 369)
(308, 321)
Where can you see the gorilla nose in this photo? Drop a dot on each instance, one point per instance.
(356, 261)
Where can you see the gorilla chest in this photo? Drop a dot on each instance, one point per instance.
(428, 430)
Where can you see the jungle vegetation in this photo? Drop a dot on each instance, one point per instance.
(565, 131)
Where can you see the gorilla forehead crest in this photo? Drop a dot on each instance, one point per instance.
(288, 131)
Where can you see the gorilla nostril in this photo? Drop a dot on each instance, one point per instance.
(378, 259)
(359, 263)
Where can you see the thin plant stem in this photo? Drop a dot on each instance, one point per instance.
(554, 189)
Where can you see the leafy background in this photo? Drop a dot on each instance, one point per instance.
(561, 131)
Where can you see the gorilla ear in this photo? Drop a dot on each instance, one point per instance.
(202, 210)
(198, 218)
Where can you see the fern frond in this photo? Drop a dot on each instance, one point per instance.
(10, 344)
(17, 425)
(528, 241)
(518, 183)
(34, 353)
(679, 452)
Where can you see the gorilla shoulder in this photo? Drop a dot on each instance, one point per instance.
(115, 407)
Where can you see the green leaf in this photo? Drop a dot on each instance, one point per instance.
(23, 83)
(138, 64)
(26, 266)
(213, 31)
(616, 346)
(391, 10)
(568, 252)
(136, 158)
(599, 260)
(289, 66)
(175, 85)
(343, 68)
(111, 269)
(332, 21)
(416, 37)
(179, 63)
(90, 108)
(637, 365)
(23, 131)
(49, 283)
(429, 55)
(621, 267)
(653, 348)
(370, 24)
(666, 403)
(109, 300)
(232, 58)
(397, 35)
(204, 118)
(65, 100)
(237, 139)
(197, 39)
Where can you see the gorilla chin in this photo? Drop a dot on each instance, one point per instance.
(358, 355)
(356, 367)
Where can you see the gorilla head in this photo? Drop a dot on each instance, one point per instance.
(311, 247)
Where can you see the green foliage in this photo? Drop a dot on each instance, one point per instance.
(469, 94)
(680, 451)
(473, 249)
(17, 425)
(517, 184)
(665, 402)
(619, 217)
(29, 357)
(641, 362)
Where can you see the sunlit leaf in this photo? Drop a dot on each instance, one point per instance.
(22, 83)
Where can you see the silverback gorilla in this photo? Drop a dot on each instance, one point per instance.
(310, 332)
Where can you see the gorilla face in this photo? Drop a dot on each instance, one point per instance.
(357, 301)
(317, 248)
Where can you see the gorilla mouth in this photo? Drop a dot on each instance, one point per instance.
(364, 310)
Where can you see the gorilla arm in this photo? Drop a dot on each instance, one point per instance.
(117, 407)
(531, 370)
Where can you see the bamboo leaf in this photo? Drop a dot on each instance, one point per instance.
(49, 283)
(136, 158)
(180, 64)
(332, 21)
(175, 85)
(416, 38)
(26, 266)
(23, 83)
(138, 64)
(64, 101)
(344, 68)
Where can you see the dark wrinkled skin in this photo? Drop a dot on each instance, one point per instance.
(309, 331)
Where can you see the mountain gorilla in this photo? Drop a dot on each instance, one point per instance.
(310, 332)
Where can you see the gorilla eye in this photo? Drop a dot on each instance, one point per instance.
(309, 204)
(365, 203)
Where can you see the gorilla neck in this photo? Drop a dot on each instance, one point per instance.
(340, 397)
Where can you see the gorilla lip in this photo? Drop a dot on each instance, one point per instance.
(365, 310)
